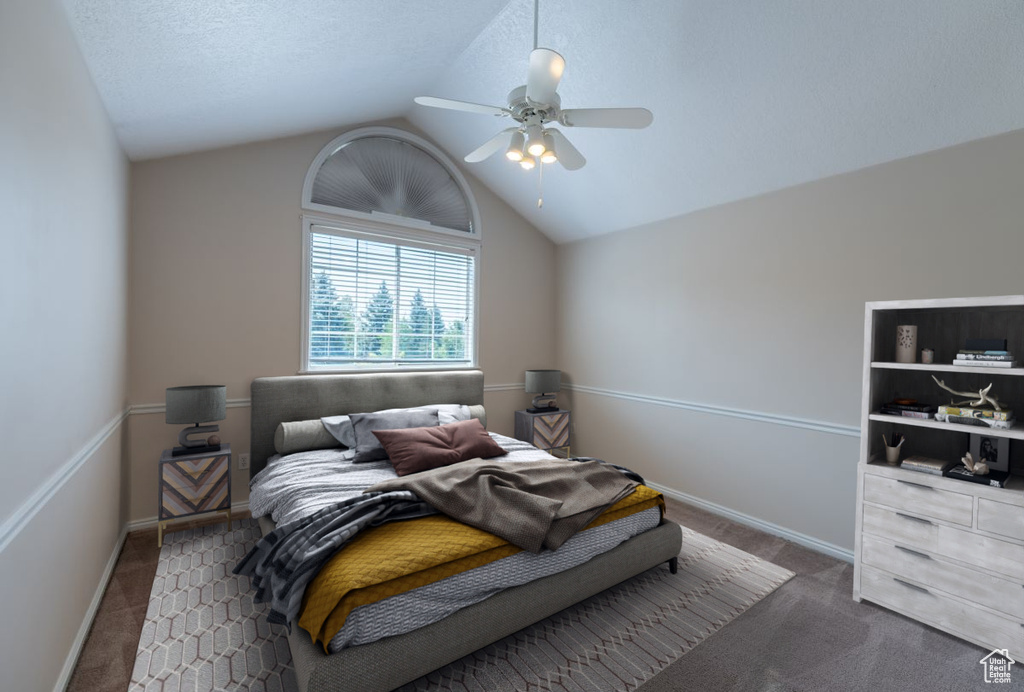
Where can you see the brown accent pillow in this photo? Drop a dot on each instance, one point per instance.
(472, 441)
(420, 449)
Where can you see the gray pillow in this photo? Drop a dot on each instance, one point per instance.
(341, 426)
(368, 447)
(302, 435)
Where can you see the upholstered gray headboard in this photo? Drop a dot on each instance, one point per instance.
(305, 397)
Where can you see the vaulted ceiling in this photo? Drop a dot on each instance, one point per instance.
(748, 97)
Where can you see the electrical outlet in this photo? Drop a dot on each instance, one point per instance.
(243, 462)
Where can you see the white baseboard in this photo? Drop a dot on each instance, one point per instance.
(90, 614)
(760, 524)
(151, 522)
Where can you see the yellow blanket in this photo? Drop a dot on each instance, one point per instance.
(395, 558)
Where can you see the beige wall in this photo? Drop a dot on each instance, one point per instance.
(758, 305)
(63, 220)
(215, 289)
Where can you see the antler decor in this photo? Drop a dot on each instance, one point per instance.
(982, 394)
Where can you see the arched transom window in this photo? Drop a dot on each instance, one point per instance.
(390, 261)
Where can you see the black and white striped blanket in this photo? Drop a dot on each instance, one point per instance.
(284, 561)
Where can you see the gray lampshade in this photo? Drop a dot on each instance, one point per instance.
(196, 404)
(543, 381)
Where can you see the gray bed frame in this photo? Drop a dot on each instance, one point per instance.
(391, 662)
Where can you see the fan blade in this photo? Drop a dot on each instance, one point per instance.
(546, 67)
(632, 118)
(568, 155)
(434, 102)
(492, 146)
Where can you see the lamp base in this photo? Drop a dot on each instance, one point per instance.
(543, 403)
(201, 449)
(186, 445)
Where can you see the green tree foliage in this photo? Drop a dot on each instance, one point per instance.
(332, 321)
(437, 327)
(453, 343)
(378, 324)
(415, 331)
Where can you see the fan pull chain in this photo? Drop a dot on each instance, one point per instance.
(540, 185)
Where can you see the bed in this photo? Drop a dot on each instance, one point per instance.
(393, 661)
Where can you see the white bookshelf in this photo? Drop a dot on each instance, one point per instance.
(920, 537)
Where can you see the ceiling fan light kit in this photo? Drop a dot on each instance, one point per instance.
(535, 105)
(515, 147)
(534, 140)
(549, 155)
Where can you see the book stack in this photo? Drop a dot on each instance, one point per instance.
(983, 417)
(985, 353)
(908, 409)
(936, 467)
(996, 479)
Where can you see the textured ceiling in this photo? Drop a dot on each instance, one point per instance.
(748, 97)
(186, 75)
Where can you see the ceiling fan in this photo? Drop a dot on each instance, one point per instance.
(535, 106)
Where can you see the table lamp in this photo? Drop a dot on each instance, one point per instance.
(543, 383)
(196, 404)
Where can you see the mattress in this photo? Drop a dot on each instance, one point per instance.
(428, 604)
(298, 485)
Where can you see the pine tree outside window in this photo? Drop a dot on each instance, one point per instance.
(376, 303)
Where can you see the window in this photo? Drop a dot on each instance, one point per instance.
(376, 302)
(390, 260)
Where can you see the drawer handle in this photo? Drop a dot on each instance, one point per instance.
(916, 485)
(907, 516)
(915, 553)
(909, 585)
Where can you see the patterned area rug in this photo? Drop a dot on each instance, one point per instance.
(625, 635)
(203, 631)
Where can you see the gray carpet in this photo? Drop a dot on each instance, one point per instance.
(810, 634)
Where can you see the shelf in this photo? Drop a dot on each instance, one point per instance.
(939, 367)
(1016, 433)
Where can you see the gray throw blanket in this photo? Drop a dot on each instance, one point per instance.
(532, 505)
(284, 561)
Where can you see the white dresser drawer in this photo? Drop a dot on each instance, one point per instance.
(1001, 518)
(919, 498)
(937, 539)
(917, 566)
(939, 610)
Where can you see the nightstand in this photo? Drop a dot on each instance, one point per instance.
(548, 431)
(193, 484)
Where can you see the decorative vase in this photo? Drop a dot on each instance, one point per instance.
(906, 343)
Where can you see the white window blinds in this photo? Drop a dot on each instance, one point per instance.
(376, 302)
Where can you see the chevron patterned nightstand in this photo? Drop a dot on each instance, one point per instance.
(194, 484)
(549, 431)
